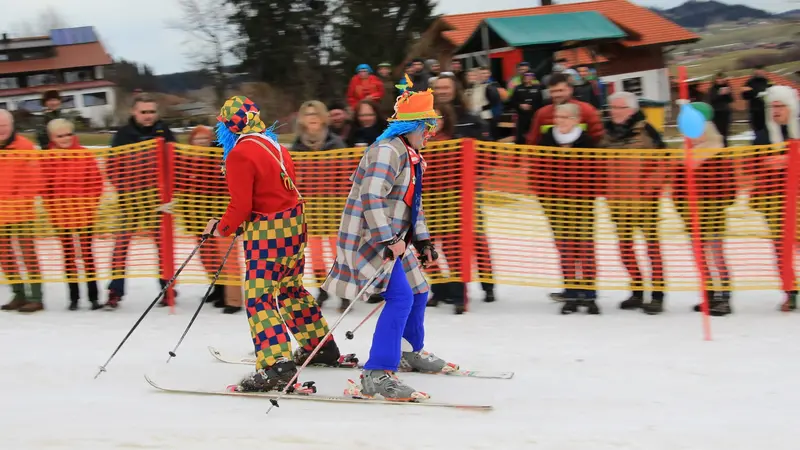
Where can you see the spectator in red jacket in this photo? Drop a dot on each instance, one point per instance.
(561, 92)
(364, 86)
(71, 197)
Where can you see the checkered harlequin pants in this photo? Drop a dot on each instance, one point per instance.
(274, 246)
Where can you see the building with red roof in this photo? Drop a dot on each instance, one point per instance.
(72, 61)
(629, 58)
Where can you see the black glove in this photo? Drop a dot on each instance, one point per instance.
(392, 241)
(421, 247)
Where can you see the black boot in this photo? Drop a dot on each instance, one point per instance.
(231, 309)
(635, 301)
(74, 296)
(374, 299)
(218, 293)
(322, 297)
(711, 298)
(590, 301)
(656, 305)
(790, 304)
(273, 378)
(488, 288)
(570, 306)
(329, 355)
(344, 305)
(721, 307)
(440, 293)
(94, 295)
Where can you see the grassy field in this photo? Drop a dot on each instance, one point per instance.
(758, 33)
(727, 63)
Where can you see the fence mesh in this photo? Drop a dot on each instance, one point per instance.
(498, 213)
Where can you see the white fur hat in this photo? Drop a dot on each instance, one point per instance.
(789, 97)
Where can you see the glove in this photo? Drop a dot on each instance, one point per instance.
(427, 252)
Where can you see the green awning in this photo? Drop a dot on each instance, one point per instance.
(554, 31)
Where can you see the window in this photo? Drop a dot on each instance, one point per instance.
(3, 105)
(67, 101)
(98, 72)
(9, 83)
(95, 99)
(74, 76)
(41, 79)
(633, 85)
(32, 105)
(3, 57)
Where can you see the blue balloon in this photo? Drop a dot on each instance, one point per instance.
(691, 122)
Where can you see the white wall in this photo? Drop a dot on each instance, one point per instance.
(96, 114)
(655, 83)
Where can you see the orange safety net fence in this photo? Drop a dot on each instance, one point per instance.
(498, 213)
(80, 215)
(620, 219)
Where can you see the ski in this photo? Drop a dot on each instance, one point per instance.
(315, 397)
(457, 373)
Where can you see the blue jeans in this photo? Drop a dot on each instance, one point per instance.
(403, 317)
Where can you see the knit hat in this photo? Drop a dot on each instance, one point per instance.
(363, 67)
(384, 64)
(241, 116)
(789, 97)
(412, 105)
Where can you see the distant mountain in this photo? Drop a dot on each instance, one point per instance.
(793, 14)
(701, 13)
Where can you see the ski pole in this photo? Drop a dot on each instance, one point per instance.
(351, 334)
(203, 239)
(172, 354)
(274, 401)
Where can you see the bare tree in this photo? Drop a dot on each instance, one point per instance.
(46, 20)
(208, 36)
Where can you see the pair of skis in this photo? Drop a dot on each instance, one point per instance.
(311, 396)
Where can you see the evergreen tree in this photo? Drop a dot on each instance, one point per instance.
(374, 31)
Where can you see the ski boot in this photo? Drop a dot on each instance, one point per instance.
(327, 356)
(656, 305)
(273, 378)
(425, 362)
(635, 301)
(383, 383)
(791, 302)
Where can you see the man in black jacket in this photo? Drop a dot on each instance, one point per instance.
(135, 178)
(527, 99)
(52, 104)
(751, 91)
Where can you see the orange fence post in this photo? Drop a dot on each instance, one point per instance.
(467, 237)
(691, 191)
(790, 217)
(166, 159)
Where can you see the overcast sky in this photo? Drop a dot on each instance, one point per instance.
(135, 30)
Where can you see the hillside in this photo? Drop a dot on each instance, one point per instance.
(700, 13)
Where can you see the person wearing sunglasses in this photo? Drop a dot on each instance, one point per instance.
(73, 187)
(134, 175)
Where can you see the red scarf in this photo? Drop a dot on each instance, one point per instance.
(414, 158)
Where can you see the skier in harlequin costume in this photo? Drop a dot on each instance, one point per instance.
(382, 217)
(267, 208)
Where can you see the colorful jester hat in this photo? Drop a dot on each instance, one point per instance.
(412, 105)
(237, 117)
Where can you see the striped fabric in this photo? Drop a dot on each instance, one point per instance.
(375, 212)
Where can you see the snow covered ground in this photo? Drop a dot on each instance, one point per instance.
(617, 381)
